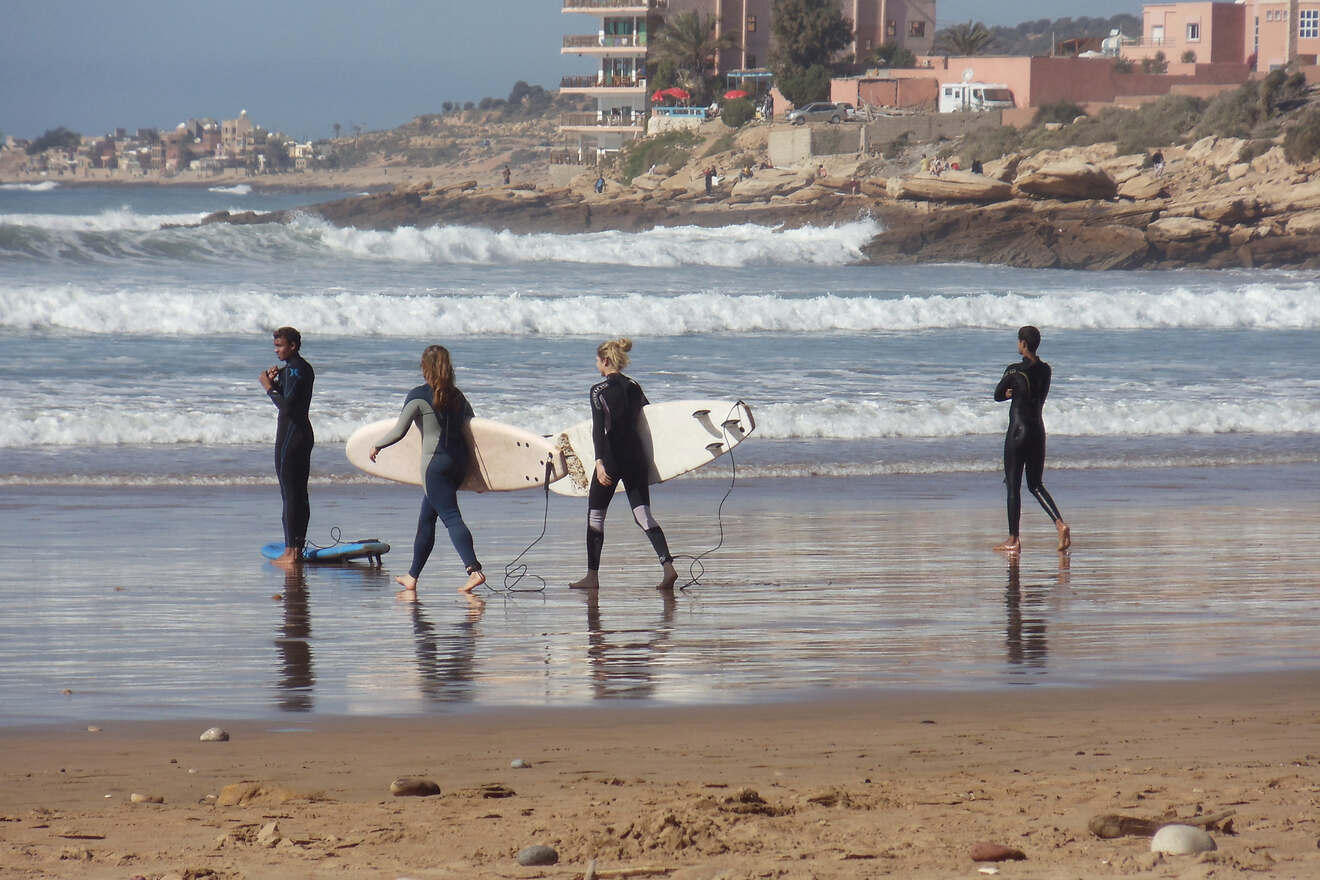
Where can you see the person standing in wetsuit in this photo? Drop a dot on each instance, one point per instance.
(441, 412)
(1026, 385)
(290, 389)
(616, 407)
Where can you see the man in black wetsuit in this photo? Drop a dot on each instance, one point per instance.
(1026, 385)
(290, 389)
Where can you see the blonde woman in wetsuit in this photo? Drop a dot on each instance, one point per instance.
(616, 407)
(441, 411)
(1026, 384)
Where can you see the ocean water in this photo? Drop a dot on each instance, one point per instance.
(130, 345)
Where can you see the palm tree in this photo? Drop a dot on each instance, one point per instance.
(963, 39)
(691, 44)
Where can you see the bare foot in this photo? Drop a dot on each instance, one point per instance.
(590, 582)
(671, 577)
(1065, 535)
(475, 579)
(408, 582)
(1012, 545)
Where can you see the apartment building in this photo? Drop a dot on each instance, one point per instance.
(621, 27)
(1266, 34)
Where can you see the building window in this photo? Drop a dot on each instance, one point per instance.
(891, 28)
(751, 24)
(1308, 24)
(916, 29)
(1193, 31)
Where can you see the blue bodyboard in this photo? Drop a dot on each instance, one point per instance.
(343, 552)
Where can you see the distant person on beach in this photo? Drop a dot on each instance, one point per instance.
(616, 407)
(507, 175)
(600, 184)
(441, 413)
(290, 388)
(1026, 385)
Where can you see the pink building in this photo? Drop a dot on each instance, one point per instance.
(1202, 32)
(1280, 30)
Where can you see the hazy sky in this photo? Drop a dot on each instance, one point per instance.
(303, 65)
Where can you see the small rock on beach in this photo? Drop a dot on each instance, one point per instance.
(214, 735)
(519, 764)
(538, 855)
(996, 852)
(1182, 840)
(406, 786)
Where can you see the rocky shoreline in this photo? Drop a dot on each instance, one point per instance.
(1078, 208)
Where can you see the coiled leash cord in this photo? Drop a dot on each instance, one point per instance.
(516, 569)
(696, 568)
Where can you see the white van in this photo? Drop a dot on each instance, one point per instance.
(975, 96)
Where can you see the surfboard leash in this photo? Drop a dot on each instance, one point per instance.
(696, 568)
(515, 570)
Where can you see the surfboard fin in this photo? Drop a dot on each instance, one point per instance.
(696, 414)
(714, 448)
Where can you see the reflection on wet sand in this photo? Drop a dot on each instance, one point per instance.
(621, 661)
(446, 660)
(296, 678)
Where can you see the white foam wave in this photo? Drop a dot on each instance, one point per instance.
(44, 186)
(153, 310)
(114, 220)
(144, 422)
(741, 245)
(241, 189)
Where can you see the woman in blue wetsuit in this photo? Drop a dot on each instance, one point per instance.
(1026, 384)
(441, 412)
(616, 407)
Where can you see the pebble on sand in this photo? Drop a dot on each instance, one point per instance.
(137, 798)
(406, 786)
(1182, 840)
(519, 764)
(214, 735)
(92, 728)
(996, 852)
(538, 855)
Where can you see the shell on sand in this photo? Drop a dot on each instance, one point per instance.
(1181, 840)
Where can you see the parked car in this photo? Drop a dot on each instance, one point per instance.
(849, 111)
(817, 111)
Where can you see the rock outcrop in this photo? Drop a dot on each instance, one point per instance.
(951, 186)
(1066, 179)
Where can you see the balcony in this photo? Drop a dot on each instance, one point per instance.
(593, 83)
(636, 7)
(593, 121)
(626, 44)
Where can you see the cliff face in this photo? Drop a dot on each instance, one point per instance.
(1081, 208)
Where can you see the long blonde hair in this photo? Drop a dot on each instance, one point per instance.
(615, 352)
(438, 371)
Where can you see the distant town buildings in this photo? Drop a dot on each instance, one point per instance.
(198, 146)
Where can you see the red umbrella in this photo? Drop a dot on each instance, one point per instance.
(658, 95)
(736, 93)
(676, 92)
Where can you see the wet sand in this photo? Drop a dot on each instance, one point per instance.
(891, 690)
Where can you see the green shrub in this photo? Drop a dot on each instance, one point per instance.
(895, 148)
(673, 148)
(1249, 108)
(1189, 57)
(1252, 149)
(721, 144)
(1301, 143)
(1122, 65)
(1158, 64)
(737, 112)
(987, 144)
(1059, 111)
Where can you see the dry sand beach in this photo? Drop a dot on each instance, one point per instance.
(873, 786)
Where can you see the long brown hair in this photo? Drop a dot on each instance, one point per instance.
(438, 371)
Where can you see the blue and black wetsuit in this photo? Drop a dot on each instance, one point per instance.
(445, 457)
(616, 408)
(291, 392)
(1024, 444)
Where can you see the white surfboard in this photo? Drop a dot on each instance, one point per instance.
(678, 436)
(504, 458)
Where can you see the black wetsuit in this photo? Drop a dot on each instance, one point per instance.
(1024, 444)
(616, 407)
(291, 393)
